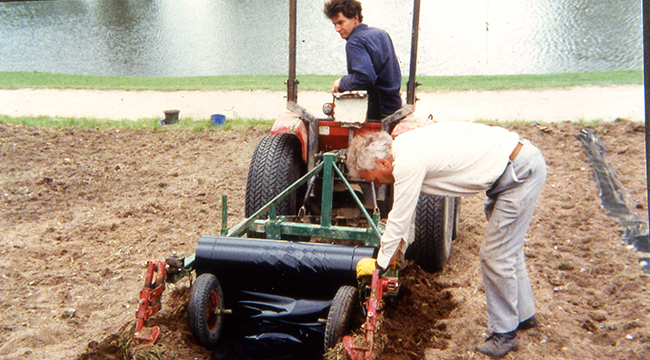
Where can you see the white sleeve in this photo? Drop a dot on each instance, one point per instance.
(408, 183)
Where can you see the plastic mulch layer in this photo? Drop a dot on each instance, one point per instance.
(614, 197)
(279, 291)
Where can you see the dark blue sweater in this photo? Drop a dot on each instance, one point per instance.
(373, 66)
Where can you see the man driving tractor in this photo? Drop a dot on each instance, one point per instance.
(371, 60)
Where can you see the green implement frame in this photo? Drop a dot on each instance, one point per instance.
(275, 226)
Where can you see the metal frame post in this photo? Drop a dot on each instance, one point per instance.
(646, 82)
(412, 84)
(292, 83)
(328, 190)
(224, 215)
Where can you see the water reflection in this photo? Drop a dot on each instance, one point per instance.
(590, 34)
(216, 37)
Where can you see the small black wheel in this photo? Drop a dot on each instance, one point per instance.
(204, 318)
(340, 315)
(434, 229)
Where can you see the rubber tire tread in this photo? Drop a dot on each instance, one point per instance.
(340, 315)
(430, 248)
(197, 309)
(276, 164)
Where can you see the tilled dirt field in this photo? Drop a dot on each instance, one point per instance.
(83, 210)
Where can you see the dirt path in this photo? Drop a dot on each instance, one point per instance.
(574, 104)
(82, 210)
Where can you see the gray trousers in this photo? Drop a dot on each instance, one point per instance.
(509, 209)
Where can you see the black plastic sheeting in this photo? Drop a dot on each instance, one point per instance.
(280, 267)
(614, 197)
(279, 291)
(272, 327)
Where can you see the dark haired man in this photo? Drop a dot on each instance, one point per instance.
(371, 60)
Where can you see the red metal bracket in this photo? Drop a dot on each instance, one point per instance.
(373, 306)
(150, 304)
(355, 352)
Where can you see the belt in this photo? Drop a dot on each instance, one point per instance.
(516, 151)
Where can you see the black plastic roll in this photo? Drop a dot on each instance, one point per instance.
(277, 266)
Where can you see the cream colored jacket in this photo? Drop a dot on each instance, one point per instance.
(443, 159)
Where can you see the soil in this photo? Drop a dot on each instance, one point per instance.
(83, 210)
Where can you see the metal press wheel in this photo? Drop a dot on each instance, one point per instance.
(340, 315)
(204, 310)
(435, 222)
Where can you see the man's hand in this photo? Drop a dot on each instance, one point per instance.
(366, 266)
(335, 86)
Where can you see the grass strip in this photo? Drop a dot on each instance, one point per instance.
(101, 124)
(186, 124)
(16, 80)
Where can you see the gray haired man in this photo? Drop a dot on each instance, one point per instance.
(457, 159)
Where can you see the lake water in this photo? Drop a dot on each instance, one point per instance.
(218, 37)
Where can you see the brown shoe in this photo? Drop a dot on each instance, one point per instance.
(529, 323)
(498, 345)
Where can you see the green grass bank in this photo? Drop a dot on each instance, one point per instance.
(16, 80)
(98, 124)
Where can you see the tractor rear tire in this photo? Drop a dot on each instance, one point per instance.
(275, 165)
(435, 221)
(204, 322)
(340, 315)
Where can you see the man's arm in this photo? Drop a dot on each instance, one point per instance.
(408, 184)
(361, 72)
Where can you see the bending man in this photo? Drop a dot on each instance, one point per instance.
(456, 159)
(371, 59)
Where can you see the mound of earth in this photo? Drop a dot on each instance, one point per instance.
(83, 210)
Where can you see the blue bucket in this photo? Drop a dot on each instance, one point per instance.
(218, 119)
